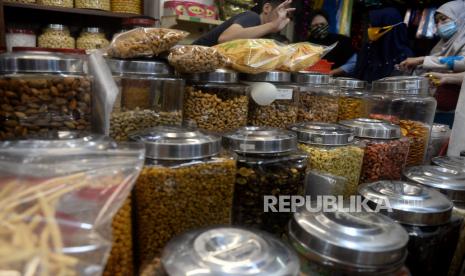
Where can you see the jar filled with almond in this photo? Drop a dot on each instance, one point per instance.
(352, 99)
(56, 36)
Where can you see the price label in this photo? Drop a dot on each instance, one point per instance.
(284, 94)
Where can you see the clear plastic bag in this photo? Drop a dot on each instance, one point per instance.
(196, 59)
(144, 42)
(301, 55)
(58, 199)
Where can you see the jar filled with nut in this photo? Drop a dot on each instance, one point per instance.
(216, 101)
(406, 101)
(268, 163)
(40, 92)
(274, 99)
(331, 149)
(318, 100)
(127, 6)
(56, 36)
(385, 150)
(58, 3)
(93, 4)
(352, 99)
(184, 185)
(149, 96)
(92, 38)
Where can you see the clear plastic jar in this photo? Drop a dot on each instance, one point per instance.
(93, 4)
(184, 185)
(438, 143)
(92, 38)
(58, 3)
(268, 163)
(42, 93)
(127, 6)
(20, 37)
(406, 101)
(149, 96)
(216, 101)
(56, 36)
(275, 102)
(318, 100)
(352, 99)
(331, 149)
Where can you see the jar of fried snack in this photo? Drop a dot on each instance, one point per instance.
(58, 3)
(56, 36)
(93, 4)
(127, 6)
(352, 98)
(92, 38)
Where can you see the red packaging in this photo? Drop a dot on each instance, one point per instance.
(174, 8)
(195, 9)
(210, 12)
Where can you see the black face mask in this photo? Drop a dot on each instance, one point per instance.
(319, 31)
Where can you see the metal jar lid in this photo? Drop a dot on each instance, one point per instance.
(272, 76)
(311, 78)
(411, 203)
(177, 143)
(217, 76)
(139, 67)
(323, 133)
(402, 84)
(260, 140)
(224, 251)
(94, 30)
(450, 162)
(42, 62)
(356, 241)
(350, 83)
(57, 27)
(372, 128)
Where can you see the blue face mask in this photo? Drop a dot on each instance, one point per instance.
(447, 30)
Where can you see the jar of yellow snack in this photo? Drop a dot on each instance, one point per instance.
(93, 4)
(56, 36)
(92, 38)
(126, 6)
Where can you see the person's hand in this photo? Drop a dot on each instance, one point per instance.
(410, 63)
(438, 79)
(280, 19)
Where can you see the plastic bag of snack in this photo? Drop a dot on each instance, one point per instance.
(196, 59)
(253, 56)
(144, 42)
(303, 55)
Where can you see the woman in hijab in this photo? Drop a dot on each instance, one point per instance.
(387, 46)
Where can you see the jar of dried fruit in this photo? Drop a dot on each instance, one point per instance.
(352, 99)
(331, 149)
(318, 99)
(385, 150)
(93, 4)
(406, 101)
(149, 96)
(56, 36)
(184, 185)
(268, 163)
(92, 38)
(216, 101)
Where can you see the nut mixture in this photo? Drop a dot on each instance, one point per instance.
(258, 176)
(59, 3)
(126, 6)
(89, 41)
(172, 200)
(384, 159)
(281, 114)
(215, 109)
(120, 261)
(317, 108)
(34, 105)
(56, 39)
(351, 108)
(344, 161)
(418, 133)
(154, 268)
(196, 59)
(93, 4)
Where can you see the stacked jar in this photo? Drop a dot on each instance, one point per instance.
(352, 99)
(318, 99)
(92, 38)
(438, 143)
(406, 101)
(426, 215)
(385, 150)
(331, 149)
(183, 186)
(56, 36)
(216, 101)
(20, 37)
(43, 91)
(274, 99)
(268, 163)
(58, 3)
(93, 4)
(126, 6)
(149, 96)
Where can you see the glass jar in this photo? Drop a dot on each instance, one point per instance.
(268, 163)
(450, 162)
(318, 100)
(406, 101)
(228, 251)
(184, 185)
(347, 243)
(20, 37)
(58, 3)
(40, 92)
(92, 38)
(438, 143)
(149, 96)
(56, 36)
(216, 101)
(127, 6)
(426, 215)
(385, 150)
(318, 183)
(93, 4)
(331, 149)
(352, 99)
(459, 256)
(274, 99)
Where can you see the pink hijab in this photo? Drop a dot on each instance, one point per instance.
(455, 10)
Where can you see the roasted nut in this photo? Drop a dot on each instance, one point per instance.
(56, 39)
(191, 59)
(280, 113)
(59, 3)
(418, 133)
(154, 268)
(351, 108)
(126, 6)
(89, 41)
(317, 107)
(93, 4)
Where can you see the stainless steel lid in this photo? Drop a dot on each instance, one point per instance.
(139, 67)
(224, 251)
(95, 30)
(311, 78)
(323, 133)
(260, 140)
(357, 241)
(218, 76)
(272, 76)
(402, 84)
(411, 203)
(56, 27)
(450, 162)
(42, 62)
(439, 130)
(448, 181)
(372, 128)
(350, 83)
(177, 143)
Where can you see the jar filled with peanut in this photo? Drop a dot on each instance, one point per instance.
(127, 6)
(58, 3)
(352, 101)
(92, 38)
(93, 4)
(56, 36)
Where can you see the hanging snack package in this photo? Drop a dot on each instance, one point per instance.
(191, 59)
(57, 201)
(144, 42)
(300, 56)
(253, 56)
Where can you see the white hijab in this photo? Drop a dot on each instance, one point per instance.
(455, 10)
(457, 137)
